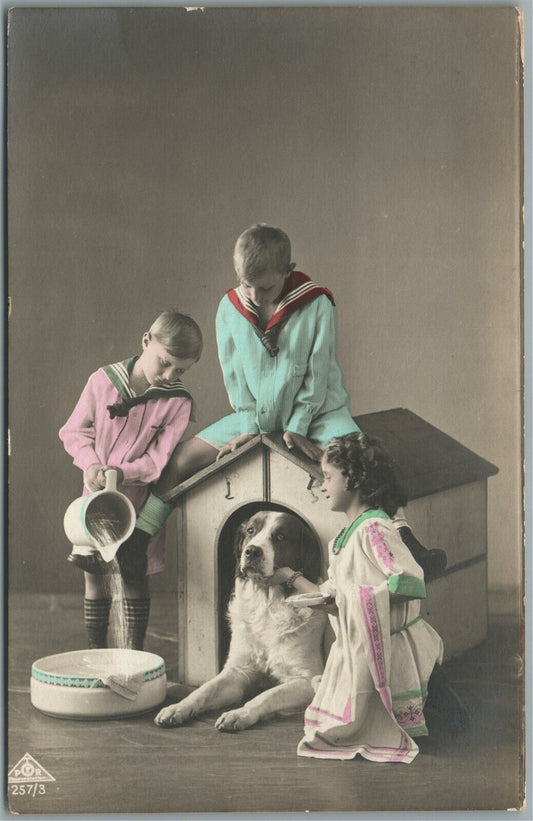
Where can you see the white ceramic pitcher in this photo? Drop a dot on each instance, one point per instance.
(101, 520)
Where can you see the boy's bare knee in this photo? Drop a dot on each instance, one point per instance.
(188, 458)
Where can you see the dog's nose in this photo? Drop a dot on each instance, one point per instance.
(253, 552)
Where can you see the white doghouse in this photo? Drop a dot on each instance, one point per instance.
(447, 488)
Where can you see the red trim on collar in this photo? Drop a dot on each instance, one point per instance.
(298, 291)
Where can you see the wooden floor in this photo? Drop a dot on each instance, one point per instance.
(132, 766)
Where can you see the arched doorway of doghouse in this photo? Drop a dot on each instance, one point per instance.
(227, 564)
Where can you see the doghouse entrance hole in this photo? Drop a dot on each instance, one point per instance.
(227, 563)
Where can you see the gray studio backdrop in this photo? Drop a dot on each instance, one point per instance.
(385, 141)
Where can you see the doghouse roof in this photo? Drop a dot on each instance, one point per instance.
(427, 459)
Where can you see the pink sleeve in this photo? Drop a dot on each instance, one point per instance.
(78, 432)
(148, 467)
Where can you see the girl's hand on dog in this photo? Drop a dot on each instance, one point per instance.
(300, 584)
(303, 585)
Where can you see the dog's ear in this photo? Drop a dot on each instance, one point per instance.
(238, 541)
(310, 555)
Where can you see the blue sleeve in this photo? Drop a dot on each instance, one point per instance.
(239, 394)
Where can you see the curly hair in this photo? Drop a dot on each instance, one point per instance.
(369, 468)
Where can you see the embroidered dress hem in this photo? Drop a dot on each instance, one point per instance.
(378, 754)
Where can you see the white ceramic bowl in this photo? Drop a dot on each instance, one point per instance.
(72, 685)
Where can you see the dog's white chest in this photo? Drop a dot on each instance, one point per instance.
(272, 635)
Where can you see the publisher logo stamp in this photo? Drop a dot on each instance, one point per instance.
(28, 777)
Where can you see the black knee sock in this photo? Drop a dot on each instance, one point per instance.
(136, 612)
(96, 618)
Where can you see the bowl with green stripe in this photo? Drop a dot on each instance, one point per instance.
(98, 684)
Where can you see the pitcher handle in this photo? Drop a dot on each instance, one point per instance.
(111, 477)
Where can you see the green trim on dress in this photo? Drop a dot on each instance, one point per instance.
(414, 732)
(407, 586)
(405, 626)
(343, 537)
(407, 694)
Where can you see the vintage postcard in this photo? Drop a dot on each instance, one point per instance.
(265, 518)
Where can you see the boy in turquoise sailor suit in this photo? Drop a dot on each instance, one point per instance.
(277, 340)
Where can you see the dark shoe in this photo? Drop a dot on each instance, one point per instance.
(443, 699)
(132, 556)
(433, 562)
(92, 563)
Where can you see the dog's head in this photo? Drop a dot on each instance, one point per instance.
(271, 539)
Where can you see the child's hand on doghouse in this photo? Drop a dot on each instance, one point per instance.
(234, 444)
(308, 448)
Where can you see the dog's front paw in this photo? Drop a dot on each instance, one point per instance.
(233, 720)
(172, 716)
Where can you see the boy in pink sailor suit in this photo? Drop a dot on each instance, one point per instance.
(130, 417)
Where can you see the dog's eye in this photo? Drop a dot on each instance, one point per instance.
(250, 530)
(280, 537)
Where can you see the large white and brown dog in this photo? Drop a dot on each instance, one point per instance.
(273, 645)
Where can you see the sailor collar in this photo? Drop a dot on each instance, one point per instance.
(119, 375)
(299, 289)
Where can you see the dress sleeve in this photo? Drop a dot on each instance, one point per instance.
(147, 468)
(240, 396)
(385, 549)
(313, 392)
(78, 432)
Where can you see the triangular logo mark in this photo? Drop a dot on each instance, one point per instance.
(28, 770)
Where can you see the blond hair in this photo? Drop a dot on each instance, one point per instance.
(179, 334)
(262, 248)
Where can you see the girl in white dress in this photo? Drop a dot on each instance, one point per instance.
(370, 699)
